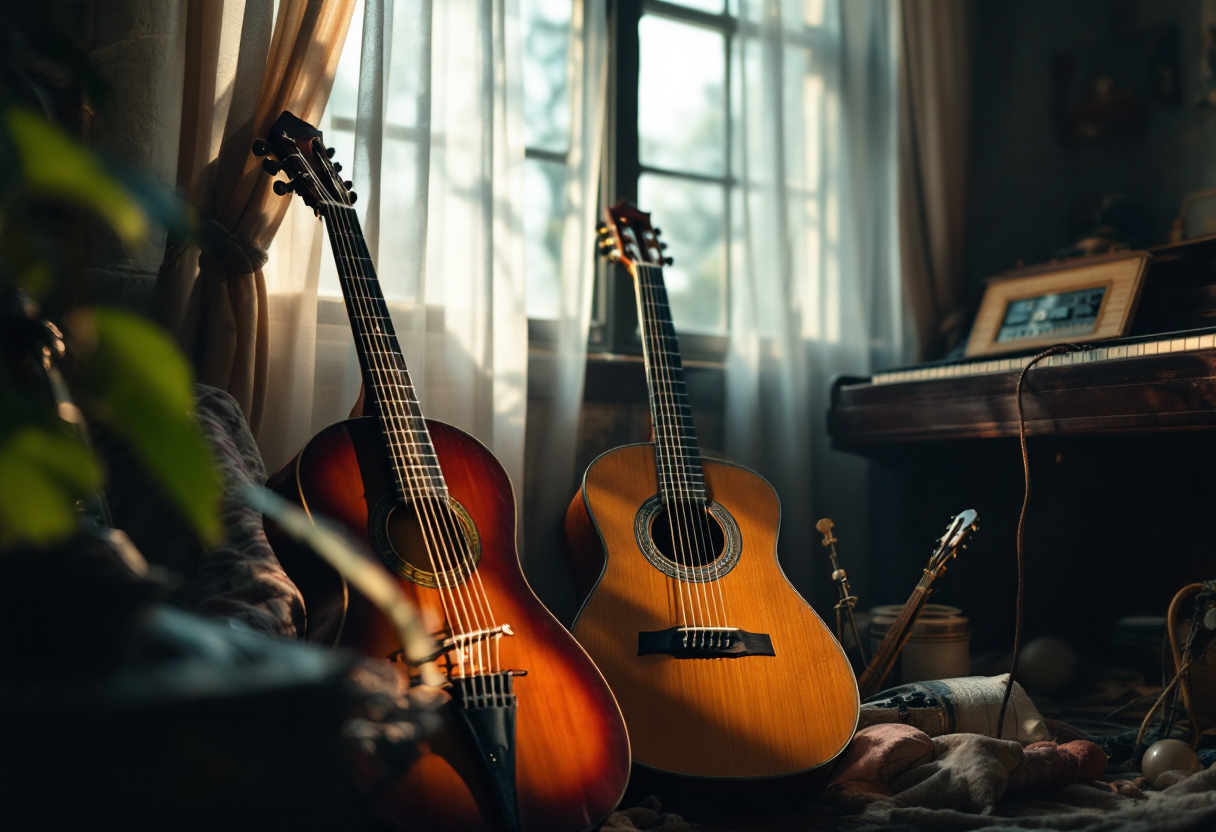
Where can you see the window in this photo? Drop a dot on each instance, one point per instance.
(670, 146)
(671, 153)
(670, 149)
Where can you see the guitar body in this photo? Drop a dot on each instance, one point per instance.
(752, 716)
(571, 749)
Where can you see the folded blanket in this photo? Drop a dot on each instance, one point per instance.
(898, 765)
(1189, 806)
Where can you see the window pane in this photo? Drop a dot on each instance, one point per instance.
(543, 184)
(546, 78)
(691, 216)
(681, 101)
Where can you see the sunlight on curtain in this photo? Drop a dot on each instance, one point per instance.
(561, 265)
(432, 136)
(815, 283)
(426, 116)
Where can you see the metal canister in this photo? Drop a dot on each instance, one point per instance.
(938, 648)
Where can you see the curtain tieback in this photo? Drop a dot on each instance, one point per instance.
(231, 253)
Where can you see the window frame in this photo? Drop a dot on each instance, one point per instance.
(614, 321)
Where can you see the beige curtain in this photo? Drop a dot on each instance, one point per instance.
(934, 124)
(240, 76)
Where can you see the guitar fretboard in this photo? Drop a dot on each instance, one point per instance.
(407, 440)
(677, 455)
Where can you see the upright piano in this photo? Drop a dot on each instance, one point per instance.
(1123, 462)
(1162, 377)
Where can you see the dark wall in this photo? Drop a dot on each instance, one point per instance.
(1025, 181)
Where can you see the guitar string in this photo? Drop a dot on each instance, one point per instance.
(700, 512)
(430, 506)
(456, 541)
(400, 450)
(694, 511)
(455, 547)
(392, 422)
(697, 508)
(675, 482)
(687, 614)
(663, 439)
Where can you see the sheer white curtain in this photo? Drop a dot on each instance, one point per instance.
(556, 479)
(426, 114)
(815, 288)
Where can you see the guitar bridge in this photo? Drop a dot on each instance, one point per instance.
(704, 643)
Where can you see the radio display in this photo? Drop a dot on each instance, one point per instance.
(1068, 313)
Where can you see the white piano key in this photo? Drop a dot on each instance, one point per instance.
(1207, 342)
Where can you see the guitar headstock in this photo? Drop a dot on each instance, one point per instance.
(961, 528)
(296, 148)
(628, 237)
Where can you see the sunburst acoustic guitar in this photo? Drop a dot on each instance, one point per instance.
(533, 739)
(721, 668)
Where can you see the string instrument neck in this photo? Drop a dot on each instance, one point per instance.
(884, 657)
(677, 453)
(408, 442)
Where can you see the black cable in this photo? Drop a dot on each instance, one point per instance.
(1058, 349)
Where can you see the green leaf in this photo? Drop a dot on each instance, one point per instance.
(142, 389)
(56, 165)
(42, 475)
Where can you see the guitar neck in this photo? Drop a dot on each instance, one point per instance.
(415, 465)
(677, 454)
(884, 657)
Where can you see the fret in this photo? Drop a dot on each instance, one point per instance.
(407, 441)
(356, 268)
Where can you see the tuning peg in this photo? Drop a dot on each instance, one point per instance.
(601, 227)
(329, 152)
(260, 148)
(282, 188)
(663, 246)
(353, 197)
(658, 231)
(348, 184)
(271, 166)
(667, 261)
(337, 167)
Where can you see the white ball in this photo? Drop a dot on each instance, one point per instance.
(1046, 665)
(1168, 755)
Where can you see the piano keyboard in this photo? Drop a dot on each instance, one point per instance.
(1149, 345)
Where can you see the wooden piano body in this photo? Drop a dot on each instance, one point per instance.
(1123, 466)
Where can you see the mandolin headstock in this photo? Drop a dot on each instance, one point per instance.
(965, 524)
(628, 237)
(296, 148)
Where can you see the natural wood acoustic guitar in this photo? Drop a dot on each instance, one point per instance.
(533, 739)
(721, 668)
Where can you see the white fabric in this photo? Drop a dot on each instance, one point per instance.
(815, 283)
(436, 156)
(437, 160)
(558, 480)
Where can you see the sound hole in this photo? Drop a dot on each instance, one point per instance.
(699, 539)
(429, 541)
